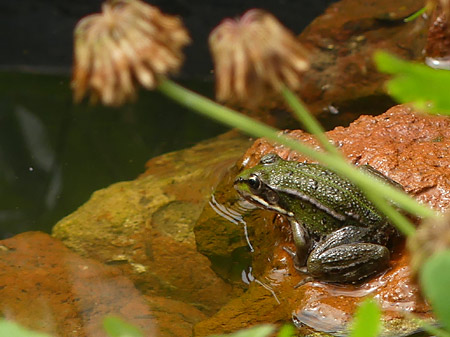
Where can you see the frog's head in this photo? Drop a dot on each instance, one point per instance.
(254, 184)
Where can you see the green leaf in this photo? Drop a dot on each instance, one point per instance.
(366, 322)
(11, 329)
(116, 327)
(435, 281)
(426, 88)
(263, 330)
(287, 330)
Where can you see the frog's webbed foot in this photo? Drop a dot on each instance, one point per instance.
(291, 253)
(301, 268)
(307, 279)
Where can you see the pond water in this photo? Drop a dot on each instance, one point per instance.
(54, 154)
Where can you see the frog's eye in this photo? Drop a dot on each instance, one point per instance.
(254, 182)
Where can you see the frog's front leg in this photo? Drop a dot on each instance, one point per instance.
(348, 255)
(302, 243)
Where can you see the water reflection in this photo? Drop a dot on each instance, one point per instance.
(234, 216)
(53, 154)
(438, 62)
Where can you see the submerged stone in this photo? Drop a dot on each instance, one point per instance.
(46, 287)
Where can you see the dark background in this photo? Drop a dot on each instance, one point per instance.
(37, 34)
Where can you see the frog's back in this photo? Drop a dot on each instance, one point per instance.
(339, 200)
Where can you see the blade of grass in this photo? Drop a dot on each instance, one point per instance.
(12, 329)
(415, 15)
(262, 330)
(116, 327)
(313, 126)
(287, 330)
(309, 122)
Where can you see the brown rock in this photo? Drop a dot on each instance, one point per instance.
(144, 226)
(342, 42)
(45, 286)
(318, 306)
(258, 305)
(174, 318)
(438, 40)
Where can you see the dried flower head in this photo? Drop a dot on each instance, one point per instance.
(253, 56)
(431, 237)
(129, 42)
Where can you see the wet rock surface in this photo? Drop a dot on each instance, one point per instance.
(438, 41)
(342, 42)
(144, 227)
(256, 306)
(408, 147)
(46, 287)
(329, 308)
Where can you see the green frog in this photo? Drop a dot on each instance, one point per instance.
(338, 233)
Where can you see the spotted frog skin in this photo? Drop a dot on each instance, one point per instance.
(339, 235)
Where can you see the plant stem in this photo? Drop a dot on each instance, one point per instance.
(415, 15)
(309, 122)
(232, 118)
(400, 221)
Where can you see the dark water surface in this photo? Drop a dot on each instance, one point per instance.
(54, 154)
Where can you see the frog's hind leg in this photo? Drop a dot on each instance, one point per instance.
(348, 256)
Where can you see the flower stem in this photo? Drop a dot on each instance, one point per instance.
(371, 186)
(229, 117)
(309, 122)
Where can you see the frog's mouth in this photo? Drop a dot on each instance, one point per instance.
(262, 203)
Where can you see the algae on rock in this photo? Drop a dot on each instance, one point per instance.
(145, 226)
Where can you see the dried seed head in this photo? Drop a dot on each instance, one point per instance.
(255, 56)
(130, 42)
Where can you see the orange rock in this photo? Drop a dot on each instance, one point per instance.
(46, 287)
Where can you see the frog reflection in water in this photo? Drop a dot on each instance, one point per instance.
(339, 235)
